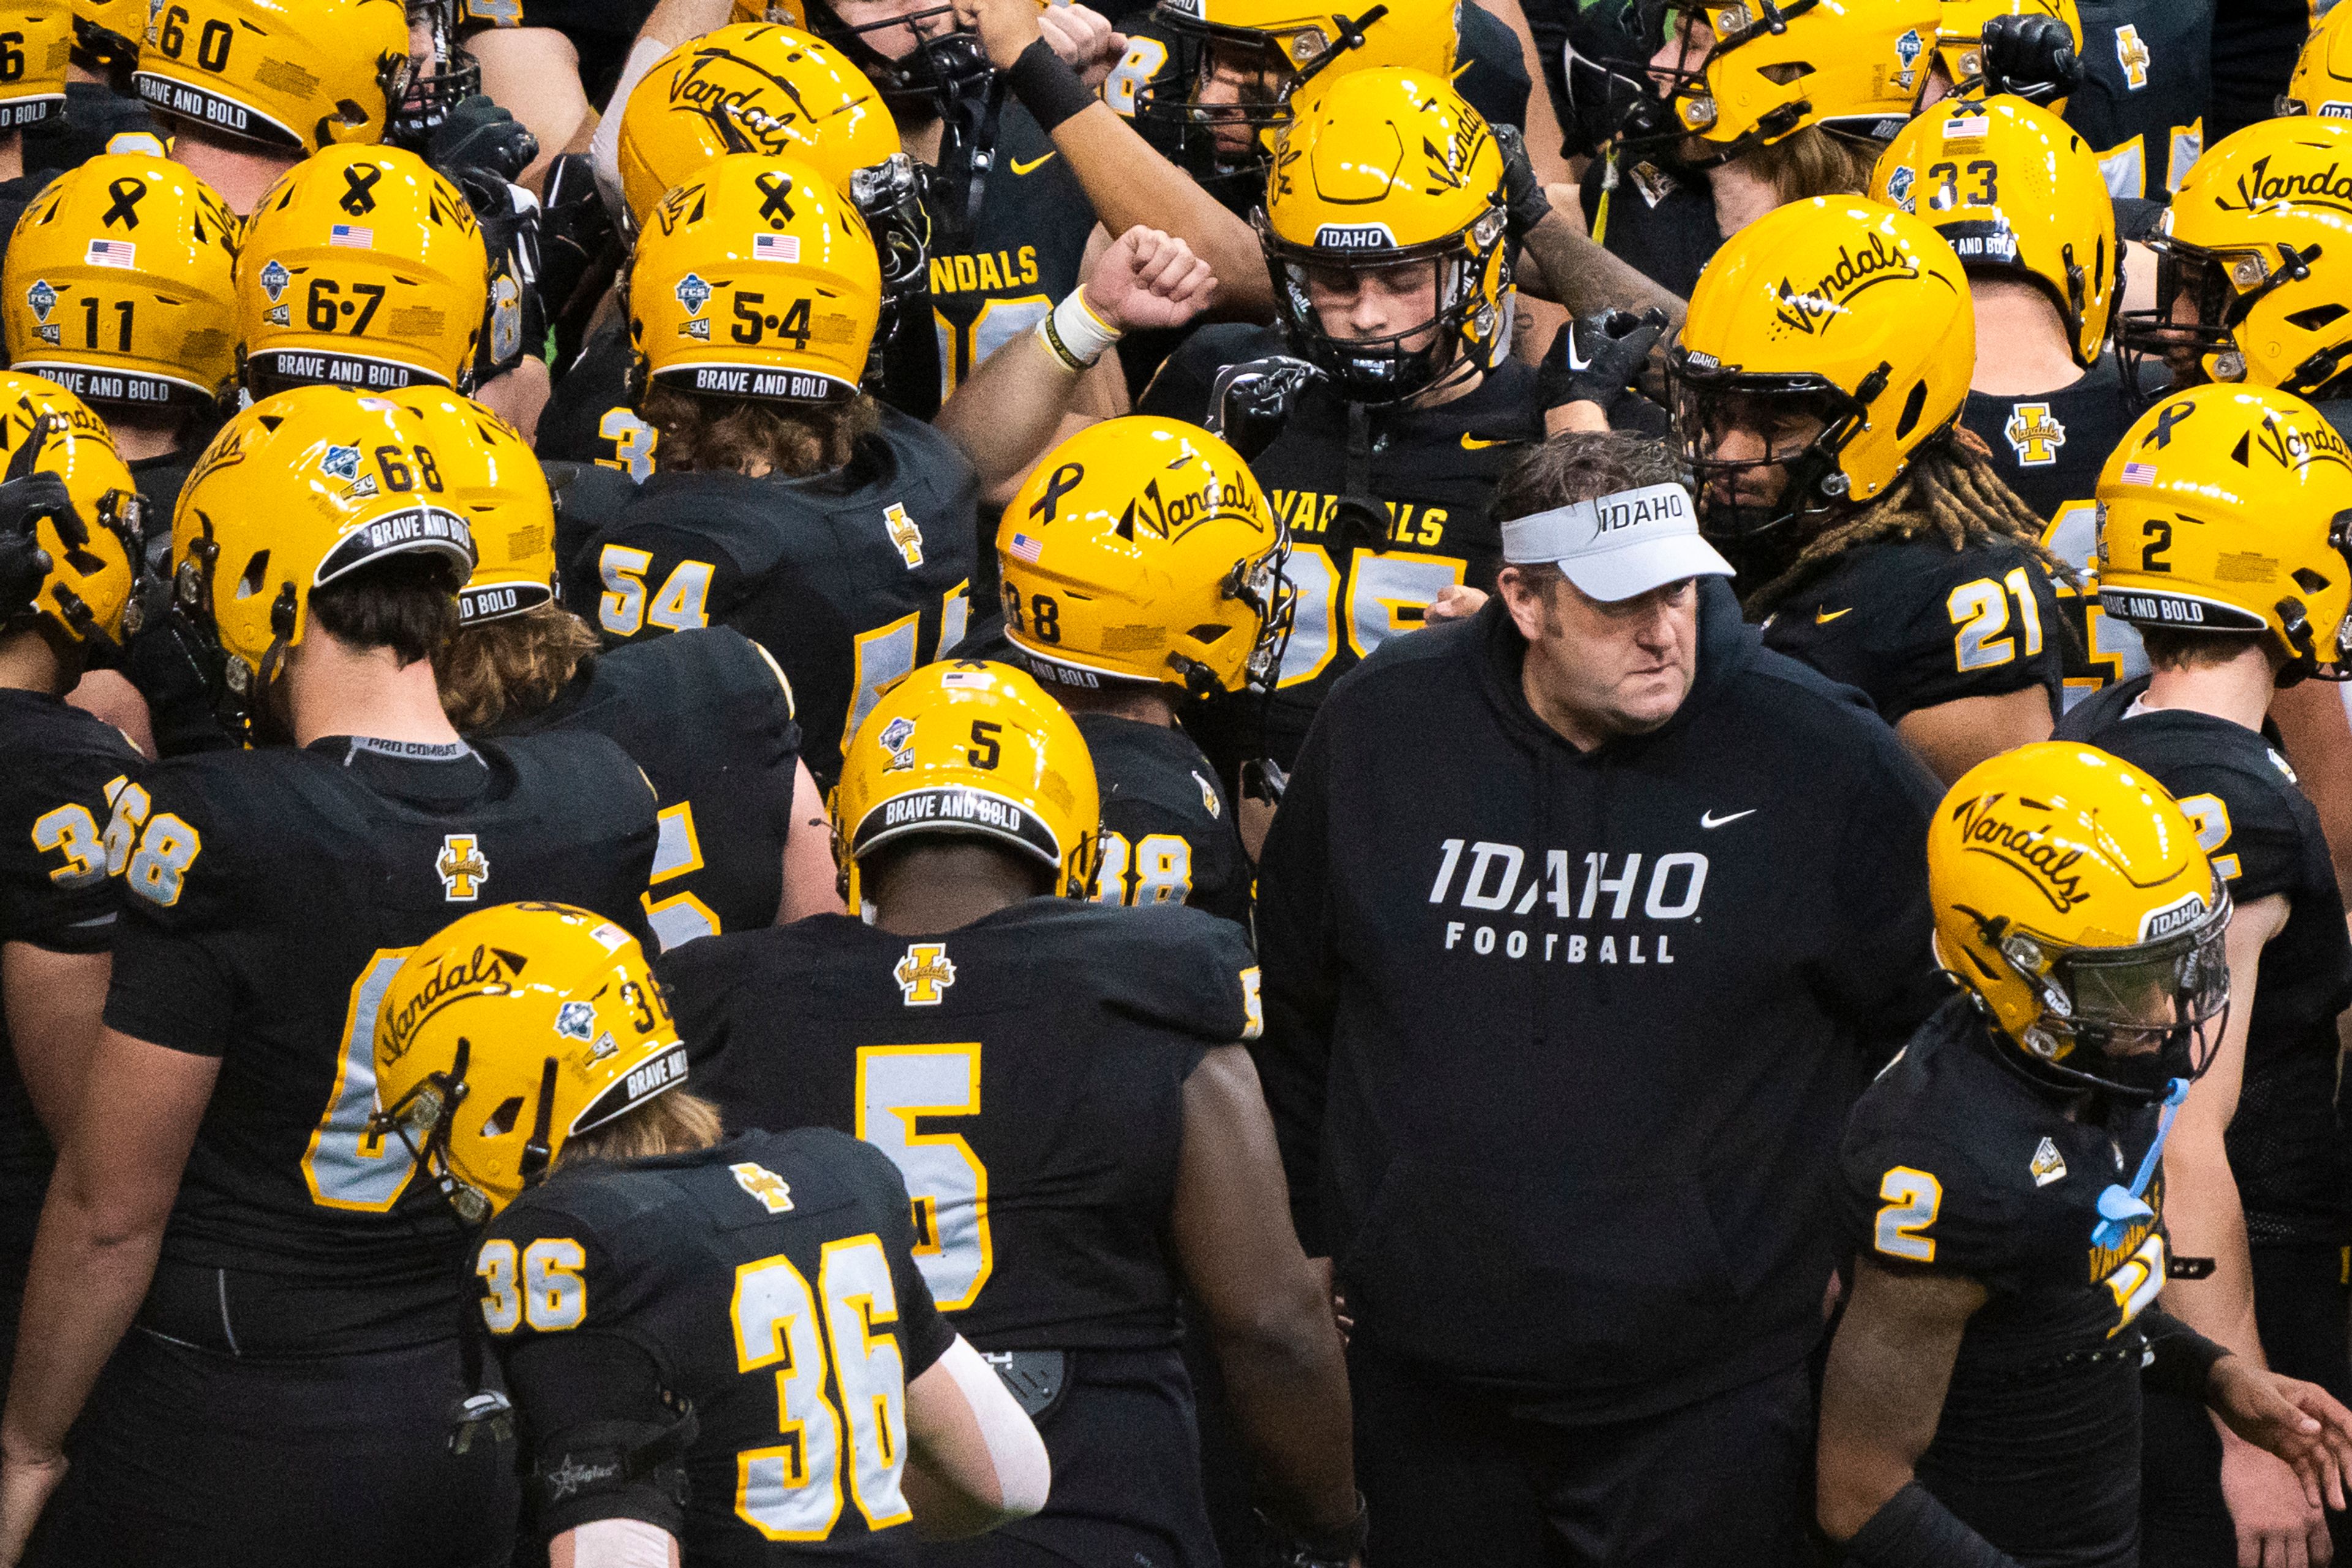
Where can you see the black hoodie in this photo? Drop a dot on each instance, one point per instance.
(1559, 1043)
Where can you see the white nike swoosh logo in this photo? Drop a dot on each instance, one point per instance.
(1576, 361)
(1708, 818)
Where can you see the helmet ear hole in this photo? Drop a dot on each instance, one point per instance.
(502, 1120)
(1912, 406)
(256, 575)
(2317, 317)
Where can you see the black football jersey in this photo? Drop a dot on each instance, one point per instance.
(1915, 624)
(2049, 449)
(1026, 1072)
(590, 416)
(2146, 78)
(271, 896)
(2286, 1145)
(1954, 1163)
(770, 1282)
(1361, 577)
(95, 115)
(1661, 220)
(64, 770)
(708, 717)
(999, 276)
(2255, 43)
(849, 579)
(1168, 834)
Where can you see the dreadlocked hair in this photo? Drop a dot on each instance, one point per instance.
(1950, 491)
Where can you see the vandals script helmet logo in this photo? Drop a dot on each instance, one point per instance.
(924, 974)
(1987, 828)
(1812, 310)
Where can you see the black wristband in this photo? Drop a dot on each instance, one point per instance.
(1046, 86)
(1914, 1530)
(2179, 1358)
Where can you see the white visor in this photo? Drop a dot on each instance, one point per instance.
(1620, 545)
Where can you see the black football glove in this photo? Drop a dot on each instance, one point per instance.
(1524, 204)
(2033, 57)
(479, 134)
(1250, 402)
(579, 250)
(1595, 359)
(24, 504)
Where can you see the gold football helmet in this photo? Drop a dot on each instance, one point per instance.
(35, 46)
(2072, 901)
(490, 476)
(2254, 263)
(1763, 71)
(1959, 33)
(777, 92)
(1837, 309)
(305, 74)
(2014, 190)
(119, 284)
(295, 492)
(2229, 508)
(361, 267)
(970, 748)
(1277, 48)
(753, 89)
(1143, 550)
(1382, 170)
(95, 552)
(756, 279)
(510, 1032)
(2321, 84)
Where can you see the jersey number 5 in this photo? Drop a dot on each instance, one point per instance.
(897, 1088)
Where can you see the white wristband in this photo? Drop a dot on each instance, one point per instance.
(1074, 334)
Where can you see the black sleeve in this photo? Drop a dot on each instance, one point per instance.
(588, 1401)
(1908, 1202)
(1886, 976)
(55, 891)
(2249, 829)
(1299, 954)
(186, 897)
(169, 988)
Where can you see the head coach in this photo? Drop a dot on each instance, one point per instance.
(1583, 924)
